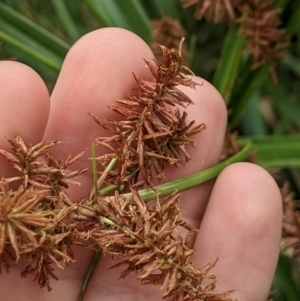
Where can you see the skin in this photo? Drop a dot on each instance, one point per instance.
(239, 215)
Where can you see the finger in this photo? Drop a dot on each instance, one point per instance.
(24, 111)
(97, 70)
(242, 226)
(24, 107)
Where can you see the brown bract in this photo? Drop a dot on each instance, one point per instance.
(153, 131)
(39, 169)
(53, 247)
(34, 218)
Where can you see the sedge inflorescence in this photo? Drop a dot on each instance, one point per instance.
(154, 132)
(264, 39)
(40, 222)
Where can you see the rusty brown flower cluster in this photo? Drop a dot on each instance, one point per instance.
(32, 216)
(155, 131)
(215, 10)
(291, 223)
(38, 220)
(265, 41)
(146, 239)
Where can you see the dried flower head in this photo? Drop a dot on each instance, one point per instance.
(19, 220)
(38, 168)
(43, 236)
(215, 10)
(167, 32)
(265, 41)
(53, 247)
(146, 239)
(291, 222)
(155, 131)
(34, 218)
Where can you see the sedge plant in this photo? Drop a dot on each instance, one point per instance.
(38, 219)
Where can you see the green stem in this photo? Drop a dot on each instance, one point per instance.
(94, 193)
(109, 188)
(95, 173)
(89, 274)
(194, 179)
(66, 19)
(227, 71)
(103, 176)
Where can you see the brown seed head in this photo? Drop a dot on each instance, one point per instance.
(264, 40)
(154, 131)
(215, 10)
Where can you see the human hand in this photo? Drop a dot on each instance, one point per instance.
(239, 214)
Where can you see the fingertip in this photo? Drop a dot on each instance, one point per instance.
(259, 195)
(24, 101)
(242, 226)
(97, 71)
(214, 115)
(101, 63)
(209, 108)
(25, 104)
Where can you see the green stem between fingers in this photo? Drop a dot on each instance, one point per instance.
(196, 179)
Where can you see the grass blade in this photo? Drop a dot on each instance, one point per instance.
(276, 151)
(66, 19)
(46, 60)
(284, 284)
(252, 83)
(128, 14)
(292, 63)
(169, 8)
(226, 73)
(16, 21)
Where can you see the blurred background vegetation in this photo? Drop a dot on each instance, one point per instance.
(250, 50)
